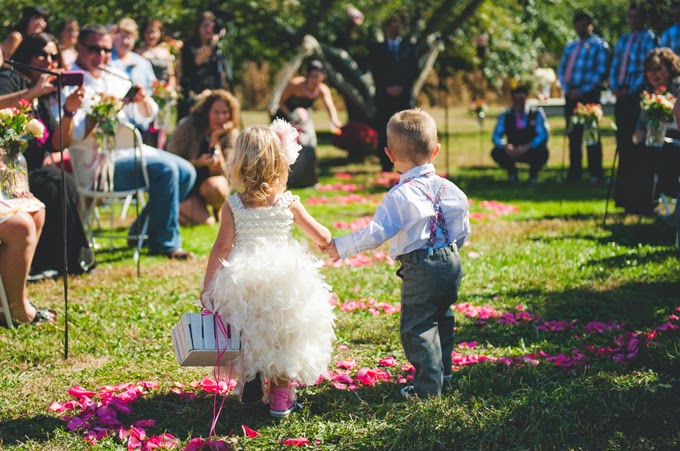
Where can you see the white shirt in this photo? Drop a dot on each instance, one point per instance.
(84, 148)
(403, 217)
(109, 84)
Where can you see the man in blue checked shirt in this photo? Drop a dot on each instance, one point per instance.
(582, 71)
(627, 82)
(526, 139)
(671, 37)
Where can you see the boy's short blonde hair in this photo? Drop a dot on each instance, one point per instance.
(257, 165)
(412, 135)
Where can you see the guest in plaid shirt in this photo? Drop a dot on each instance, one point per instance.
(582, 71)
(627, 82)
(671, 37)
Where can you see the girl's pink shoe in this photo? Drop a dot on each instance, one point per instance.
(280, 404)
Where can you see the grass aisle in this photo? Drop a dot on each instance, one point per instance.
(567, 333)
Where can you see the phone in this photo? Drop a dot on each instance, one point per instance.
(72, 78)
(130, 95)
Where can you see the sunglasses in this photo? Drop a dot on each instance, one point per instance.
(44, 54)
(97, 49)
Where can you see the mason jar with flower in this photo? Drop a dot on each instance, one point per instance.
(658, 113)
(588, 115)
(103, 111)
(17, 127)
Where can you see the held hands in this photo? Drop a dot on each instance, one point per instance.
(330, 250)
(394, 90)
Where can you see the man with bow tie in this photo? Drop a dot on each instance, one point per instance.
(582, 72)
(394, 65)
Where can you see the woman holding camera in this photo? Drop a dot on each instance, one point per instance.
(205, 138)
(201, 61)
(40, 50)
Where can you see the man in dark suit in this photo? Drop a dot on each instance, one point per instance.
(394, 65)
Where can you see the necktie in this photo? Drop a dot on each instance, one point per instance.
(626, 56)
(519, 122)
(569, 71)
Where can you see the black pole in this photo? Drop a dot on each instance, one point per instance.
(137, 145)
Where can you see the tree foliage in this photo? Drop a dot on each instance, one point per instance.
(522, 34)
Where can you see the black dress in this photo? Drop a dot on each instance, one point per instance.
(305, 171)
(195, 79)
(45, 184)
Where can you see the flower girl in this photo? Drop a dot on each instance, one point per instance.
(264, 282)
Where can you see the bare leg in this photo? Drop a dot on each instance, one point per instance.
(215, 191)
(194, 211)
(19, 236)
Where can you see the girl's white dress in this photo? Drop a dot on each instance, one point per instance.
(271, 289)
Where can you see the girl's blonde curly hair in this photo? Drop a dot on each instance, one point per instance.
(258, 166)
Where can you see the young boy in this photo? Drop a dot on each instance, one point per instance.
(426, 219)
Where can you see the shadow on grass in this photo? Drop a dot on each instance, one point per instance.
(37, 428)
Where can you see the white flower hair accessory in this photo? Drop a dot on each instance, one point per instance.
(289, 139)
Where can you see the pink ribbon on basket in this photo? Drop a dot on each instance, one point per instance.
(221, 327)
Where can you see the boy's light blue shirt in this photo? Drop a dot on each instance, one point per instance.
(403, 217)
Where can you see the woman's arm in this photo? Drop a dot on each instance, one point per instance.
(220, 251)
(318, 233)
(330, 106)
(11, 43)
(172, 75)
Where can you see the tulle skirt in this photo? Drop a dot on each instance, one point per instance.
(277, 297)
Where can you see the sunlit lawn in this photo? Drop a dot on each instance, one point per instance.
(567, 329)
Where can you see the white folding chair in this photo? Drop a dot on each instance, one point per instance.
(5, 306)
(103, 189)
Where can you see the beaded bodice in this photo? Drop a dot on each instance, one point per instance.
(262, 225)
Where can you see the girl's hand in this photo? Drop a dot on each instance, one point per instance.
(43, 86)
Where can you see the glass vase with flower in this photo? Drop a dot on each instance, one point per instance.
(589, 115)
(103, 113)
(658, 109)
(17, 127)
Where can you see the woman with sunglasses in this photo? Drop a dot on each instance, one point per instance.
(41, 51)
(650, 171)
(33, 21)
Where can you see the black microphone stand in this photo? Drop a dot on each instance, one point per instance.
(63, 189)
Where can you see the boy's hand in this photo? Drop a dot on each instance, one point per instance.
(333, 252)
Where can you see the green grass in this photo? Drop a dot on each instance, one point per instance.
(553, 257)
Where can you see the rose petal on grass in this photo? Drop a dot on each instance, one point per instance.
(249, 432)
(77, 392)
(299, 441)
(387, 361)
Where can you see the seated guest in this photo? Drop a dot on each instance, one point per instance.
(136, 67)
(205, 138)
(33, 20)
(68, 37)
(653, 170)
(170, 176)
(157, 52)
(40, 51)
(19, 233)
(526, 138)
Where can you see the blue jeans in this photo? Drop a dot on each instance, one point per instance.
(170, 180)
(430, 285)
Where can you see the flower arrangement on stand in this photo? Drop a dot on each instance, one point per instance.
(17, 127)
(544, 77)
(658, 107)
(166, 98)
(104, 113)
(590, 116)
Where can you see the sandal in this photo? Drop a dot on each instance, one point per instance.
(43, 315)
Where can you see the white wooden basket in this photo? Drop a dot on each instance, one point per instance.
(198, 342)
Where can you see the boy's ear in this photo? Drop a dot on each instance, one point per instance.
(390, 154)
(435, 152)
